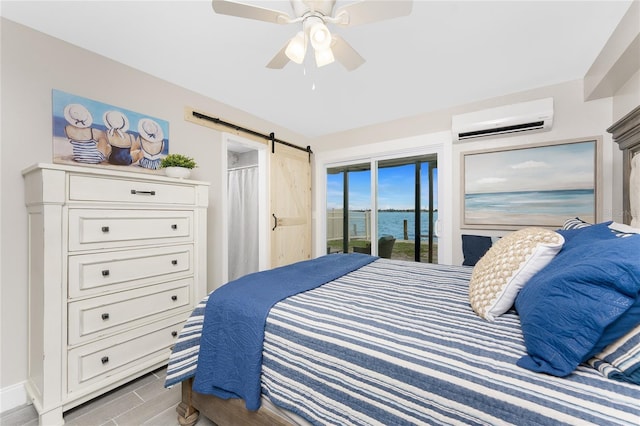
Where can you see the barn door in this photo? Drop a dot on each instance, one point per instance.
(290, 205)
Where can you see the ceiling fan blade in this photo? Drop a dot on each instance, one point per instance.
(279, 60)
(345, 54)
(248, 11)
(366, 11)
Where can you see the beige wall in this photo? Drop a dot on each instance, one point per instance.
(627, 97)
(615, 72)
(32, 65)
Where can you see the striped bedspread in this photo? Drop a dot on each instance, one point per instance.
(396, 343)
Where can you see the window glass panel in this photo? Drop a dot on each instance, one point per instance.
(396, 210)
(353, 229)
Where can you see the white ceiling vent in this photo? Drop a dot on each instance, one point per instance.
(523, 117)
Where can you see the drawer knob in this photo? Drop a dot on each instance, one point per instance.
(174, 262)
(136, 192)
(105, 273)
(105, 229)
(105, 316)
(174, 333)
(174, 297)
(174, 226)
(104, 359)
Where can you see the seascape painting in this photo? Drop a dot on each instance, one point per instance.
(534, 186)
(92, 133)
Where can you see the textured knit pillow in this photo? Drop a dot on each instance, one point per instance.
(507, 266)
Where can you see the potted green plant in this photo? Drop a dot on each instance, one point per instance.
(177, 165)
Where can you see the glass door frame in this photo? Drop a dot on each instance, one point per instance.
(444, 193)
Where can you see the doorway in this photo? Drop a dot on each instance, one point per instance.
(387, 207)
(245, 210)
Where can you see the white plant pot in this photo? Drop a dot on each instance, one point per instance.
(177, 172)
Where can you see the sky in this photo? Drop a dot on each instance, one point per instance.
(553, 167)
(396, 188)
(546, 168)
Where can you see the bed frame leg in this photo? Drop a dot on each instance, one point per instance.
(187, 414)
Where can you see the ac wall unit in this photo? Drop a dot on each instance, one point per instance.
(523, 117)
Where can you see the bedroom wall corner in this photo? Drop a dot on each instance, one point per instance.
(615, 74)
(618, 60)
(628, 97)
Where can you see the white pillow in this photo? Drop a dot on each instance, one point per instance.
(507, 266)
(626, 229)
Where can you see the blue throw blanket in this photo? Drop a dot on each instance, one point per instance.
(230, 359)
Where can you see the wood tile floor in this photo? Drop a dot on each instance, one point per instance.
(144, 401)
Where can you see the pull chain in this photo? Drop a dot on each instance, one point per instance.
(310, 74)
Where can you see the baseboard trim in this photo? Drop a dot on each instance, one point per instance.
(13, 396)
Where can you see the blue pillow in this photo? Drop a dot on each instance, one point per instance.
(576, 304)
(576, 236)
(617, 329)
(474, 247)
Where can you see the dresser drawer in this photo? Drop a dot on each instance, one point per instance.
(133, 350)
(113, 190)
(96, 273)
(99, 316)
(100, 229)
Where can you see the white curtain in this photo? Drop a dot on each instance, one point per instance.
(243, 221)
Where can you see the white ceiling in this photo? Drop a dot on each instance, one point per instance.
(444, 54)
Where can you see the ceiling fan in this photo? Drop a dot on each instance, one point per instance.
(314, 16)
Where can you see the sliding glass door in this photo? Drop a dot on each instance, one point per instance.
(348, 207)
(407, 208)
(405, 211)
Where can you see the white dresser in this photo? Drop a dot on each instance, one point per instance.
(117, 260)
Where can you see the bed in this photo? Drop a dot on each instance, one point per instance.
(380, 341)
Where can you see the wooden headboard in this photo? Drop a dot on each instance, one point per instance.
(626, 133)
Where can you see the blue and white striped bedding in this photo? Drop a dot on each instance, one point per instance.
(397, 343)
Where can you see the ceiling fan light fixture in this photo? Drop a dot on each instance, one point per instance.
(324, 57)
(315, 15)
(319, 35)
(297, 48)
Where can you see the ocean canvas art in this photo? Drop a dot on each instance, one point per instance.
(532, 186)
(88, 132)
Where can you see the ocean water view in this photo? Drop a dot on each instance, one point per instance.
(543, 207)
(389, 223)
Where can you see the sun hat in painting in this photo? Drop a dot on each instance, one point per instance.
(78, 116)
(116, 121)
(150, 130)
